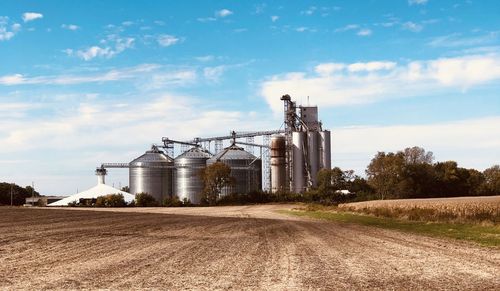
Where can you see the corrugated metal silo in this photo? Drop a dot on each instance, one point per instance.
(299, 180)
(313, 155)
(278, 163)
(188, 180)
(152, 173)
(246, 169)
(325, 150)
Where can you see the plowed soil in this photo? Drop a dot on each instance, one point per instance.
(250, 248)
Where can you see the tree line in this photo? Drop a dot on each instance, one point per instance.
(410, 173)
(19, 194)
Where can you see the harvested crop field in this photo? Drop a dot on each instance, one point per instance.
(250, 248)
(458, 209)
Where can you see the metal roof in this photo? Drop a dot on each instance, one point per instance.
(195, 153)
(233, 152)
(152, 156)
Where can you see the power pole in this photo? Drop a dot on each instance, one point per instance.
(32, 193)
(11, 194)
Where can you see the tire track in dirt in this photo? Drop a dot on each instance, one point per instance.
(64, 249)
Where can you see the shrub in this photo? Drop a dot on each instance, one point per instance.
(112, 200)
(145, 200)
(175, 202)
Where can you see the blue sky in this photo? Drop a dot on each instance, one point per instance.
(85, 82)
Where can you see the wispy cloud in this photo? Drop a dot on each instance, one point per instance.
(166, 40)
(305, 29)
(417, 2)
(274, 18)
(336, 84)
(70, 27)
(30, 16)
(119, 45)
(214, 73)
(207, 58)
(347, 28)
(309, 11)
(412, 26)
(223, 13)
(217, 15)
(458, 40)
(7, 30)
(471, 142)
(364, 32)
(155, 72)
(206, 19)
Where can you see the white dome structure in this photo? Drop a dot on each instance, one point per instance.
(100, 190)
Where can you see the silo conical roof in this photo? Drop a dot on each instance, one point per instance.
(195, 153)
(152, 156)
(233, 152)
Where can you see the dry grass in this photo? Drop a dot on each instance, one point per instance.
(484, 210)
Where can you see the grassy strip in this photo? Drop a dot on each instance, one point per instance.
(484, 235)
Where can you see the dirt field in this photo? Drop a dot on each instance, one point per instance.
(249, 248)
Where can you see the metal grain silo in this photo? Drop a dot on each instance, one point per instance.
(152, 173)
(325, 150)
(278, 163)
(298, 171)
(246, 169)
(313, 155)
(188, 180)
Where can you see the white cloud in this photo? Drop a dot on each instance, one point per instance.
(166, 40)
(70, 27)
(417, 2)
(274, 18)
(207, 58)
(153, 74)
(347, 28)
(239, 30)
(412, 26)
(90, 128)
(223, 13)
(328, 68)
(95, 51)
(206, 19)
(364, 32)
(214, 73)
(472, 143)
(335, 84)
(30, 16)
(309, 11)
(457, 40)
(7, 32)
(371, 66)
(120, 45)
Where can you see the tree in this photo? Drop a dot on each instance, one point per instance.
(451, 180)
(417, 155)
(19, 194)
(126, 189)
(215, 177)
(384, 173)
(145, 200)
(492, 180)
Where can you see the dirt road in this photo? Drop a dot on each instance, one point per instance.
(246, 248)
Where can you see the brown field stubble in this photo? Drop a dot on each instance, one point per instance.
(65, 249)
